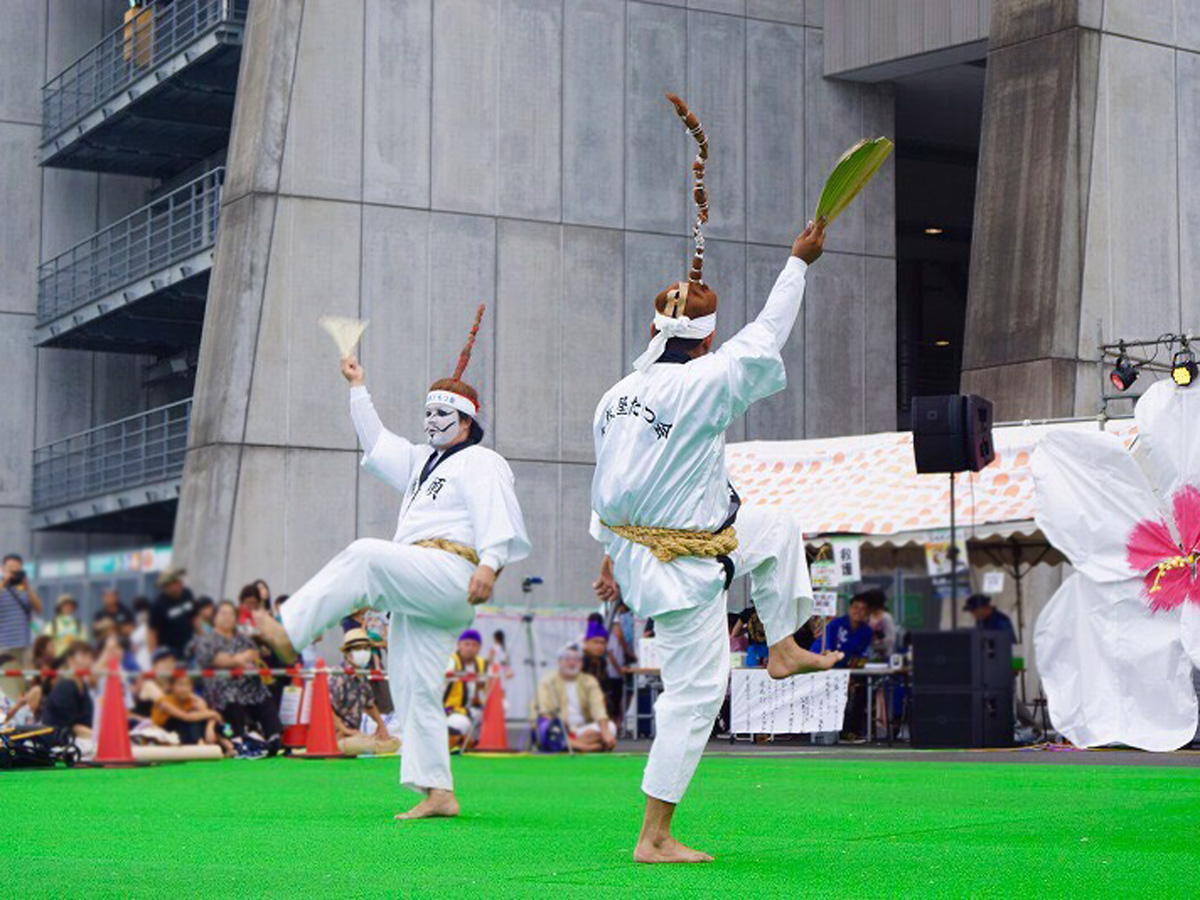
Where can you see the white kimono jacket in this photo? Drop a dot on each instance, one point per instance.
(660, 451)
(468, 497)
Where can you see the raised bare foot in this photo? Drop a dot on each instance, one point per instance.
(667, 850)
(787, 658)
(438, 805)
(275, 637)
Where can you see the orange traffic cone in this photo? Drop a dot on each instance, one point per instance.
(493, 735)
(113, 747)
(296, 735)
(322, 736)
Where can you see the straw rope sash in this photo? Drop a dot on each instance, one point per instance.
(454, 547)
(668, 544)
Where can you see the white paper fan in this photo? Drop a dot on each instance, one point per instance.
(345, 332)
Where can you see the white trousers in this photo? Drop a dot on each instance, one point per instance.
(693, 646)
(425, 591)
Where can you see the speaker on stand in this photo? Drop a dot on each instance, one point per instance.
(952, 433)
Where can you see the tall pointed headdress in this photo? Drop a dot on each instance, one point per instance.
(686, 309)
(453, 391)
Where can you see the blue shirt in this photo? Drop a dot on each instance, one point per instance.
(853, 641)
(998, 621)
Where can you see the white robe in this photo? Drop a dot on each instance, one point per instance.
(468, 498)
(660, 461)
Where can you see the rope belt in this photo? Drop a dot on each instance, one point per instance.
(668, 544)
(454, 547)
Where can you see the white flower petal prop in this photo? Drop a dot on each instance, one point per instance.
(1091, 495)
(345, 332)
(1189, 631)
(1114, 674)
(1168, 419)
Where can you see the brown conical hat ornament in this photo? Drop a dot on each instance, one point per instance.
(689, 300)
(453, 391)
(693, 297)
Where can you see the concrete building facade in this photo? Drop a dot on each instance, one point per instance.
(404, 160)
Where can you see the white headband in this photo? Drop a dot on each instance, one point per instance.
(682, 327)
(454, 401)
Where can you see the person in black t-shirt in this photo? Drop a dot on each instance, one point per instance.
(172, 613)
(69, 708)
(112, 608)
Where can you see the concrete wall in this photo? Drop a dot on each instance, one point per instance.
(872, 40)
(1088, 216)
(403, 161)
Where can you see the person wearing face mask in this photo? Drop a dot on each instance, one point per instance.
(351, 698)
(459, 525)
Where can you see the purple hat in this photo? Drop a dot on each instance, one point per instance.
(595, 630)
(471, 635)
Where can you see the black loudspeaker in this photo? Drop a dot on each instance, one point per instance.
(966, 659)
(961, 718)
(952, 433)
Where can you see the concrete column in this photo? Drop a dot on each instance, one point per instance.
(1084, 226)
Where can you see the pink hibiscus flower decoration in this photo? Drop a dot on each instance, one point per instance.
(1170, 565)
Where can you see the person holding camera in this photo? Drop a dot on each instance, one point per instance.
(19, 603)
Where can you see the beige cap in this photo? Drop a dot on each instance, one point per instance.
(355, 637)
(169, 574)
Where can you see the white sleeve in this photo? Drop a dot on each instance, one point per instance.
(748, 366)
(496, 519)
(387, 456)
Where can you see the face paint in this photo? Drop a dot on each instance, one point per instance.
(441, 424)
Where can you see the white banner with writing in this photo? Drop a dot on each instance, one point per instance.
(803, 704)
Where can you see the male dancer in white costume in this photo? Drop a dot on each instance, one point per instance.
(459, 525)
(664, 509)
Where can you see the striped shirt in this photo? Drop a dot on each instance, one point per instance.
(15, 613)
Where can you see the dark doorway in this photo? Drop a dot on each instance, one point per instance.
(938, 119)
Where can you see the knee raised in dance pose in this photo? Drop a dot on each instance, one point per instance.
(460, 524)
(665, 511)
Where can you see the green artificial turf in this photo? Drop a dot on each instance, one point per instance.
(558, 826)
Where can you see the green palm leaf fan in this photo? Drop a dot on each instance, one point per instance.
(851, 174)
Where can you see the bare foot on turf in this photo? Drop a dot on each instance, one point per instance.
(787, 658)
(667, 850)
(438, 805)
(275, 637)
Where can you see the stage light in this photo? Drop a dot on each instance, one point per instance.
(935, 231)
(1183, 367)
(1124, 373)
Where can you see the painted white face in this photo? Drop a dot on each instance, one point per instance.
(441, 424)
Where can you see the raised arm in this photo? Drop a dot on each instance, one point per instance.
(779, 314)
(385, 454)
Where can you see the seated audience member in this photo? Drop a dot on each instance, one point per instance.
(850, 634)
(987, 617)
(139, 639)
(69, 708)
(756, 638)
(738, 642)
(465, 687)
(154, 684)
(244, 701)
(883, 626)
(66, 628)
(595, 648)
(180, 711)
(112, 608)
(375, 624)
(573, 697)
(351, 698)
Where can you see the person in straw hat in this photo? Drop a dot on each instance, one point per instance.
(666, 514)
(459, 525)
